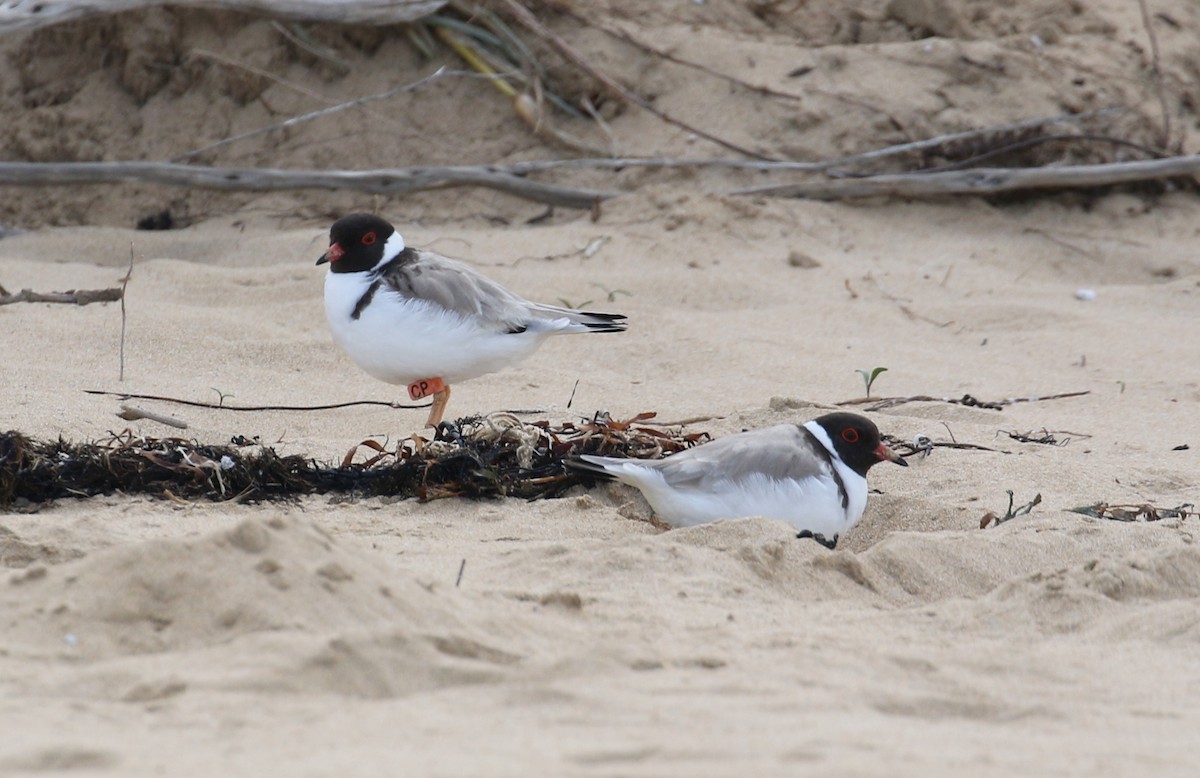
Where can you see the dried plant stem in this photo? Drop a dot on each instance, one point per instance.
(926, 145)
(633, 40)
(978, 181)
(531, 22)
(225, 407)
(890, 402)
(474, 59)
(300, 38)
(629, 38)
(124, 284)
(1156, 70)
(439, 73)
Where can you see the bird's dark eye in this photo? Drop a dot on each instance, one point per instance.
(368, 239)
(850, 435)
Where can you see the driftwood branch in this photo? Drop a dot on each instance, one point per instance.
(31, 14)
(70, 297)
(381, 181)
(511, 178)
(979, 181)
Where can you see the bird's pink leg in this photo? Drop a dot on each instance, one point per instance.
(441, 395)
(439, 406)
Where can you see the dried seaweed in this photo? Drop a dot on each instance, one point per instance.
(1136, 512)
(991, 519)
(923, 445)
(497, 455)
(1044, 436)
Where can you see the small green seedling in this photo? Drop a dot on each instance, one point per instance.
(869, 377)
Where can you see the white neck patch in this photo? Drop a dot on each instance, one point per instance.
(391, 249)
(821, 435)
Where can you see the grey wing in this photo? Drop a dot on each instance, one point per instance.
(779, 452)
(458, 288)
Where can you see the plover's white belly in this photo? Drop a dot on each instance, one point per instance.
(400, 340)
(813, 504)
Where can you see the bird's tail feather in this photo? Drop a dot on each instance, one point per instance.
(592, 320)
(592, 465)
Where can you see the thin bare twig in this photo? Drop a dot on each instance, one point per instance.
(923, 446)
(629, 38)
(301, 39)
(531, 22)
(223, 407)
(439, 73)
(767, 91)
(980, 181)
(881, 403)
(268, 75)
(124, 284)
(1030, 143)
(960, 138)
(70, 297)
(957, 138)
(1156, 69)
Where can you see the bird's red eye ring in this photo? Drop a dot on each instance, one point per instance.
(368, 239)
(850, 435)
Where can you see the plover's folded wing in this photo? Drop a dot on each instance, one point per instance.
(456, 287)
(783, 452)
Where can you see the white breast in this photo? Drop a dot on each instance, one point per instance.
(401, 340)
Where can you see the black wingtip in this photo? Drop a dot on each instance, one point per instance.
(593, 470)
(605, 322)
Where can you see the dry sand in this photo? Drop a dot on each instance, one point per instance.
(141, 636)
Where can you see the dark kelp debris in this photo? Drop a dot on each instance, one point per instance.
(496, 455)
(1136, 512)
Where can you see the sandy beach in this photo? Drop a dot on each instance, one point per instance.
(336, 635)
